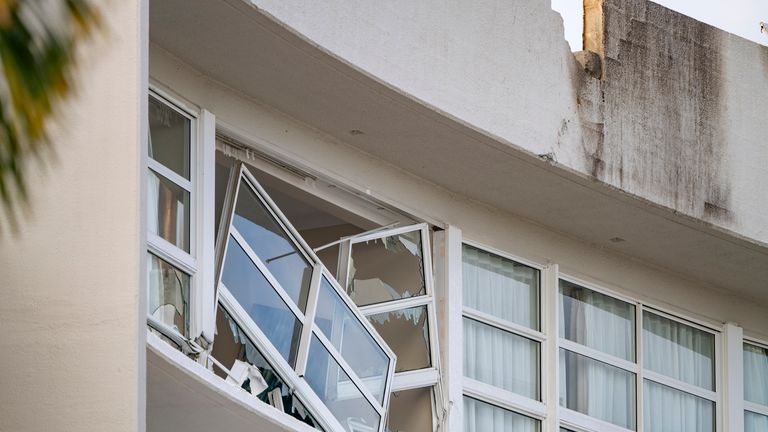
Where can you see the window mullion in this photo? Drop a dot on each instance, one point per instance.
(682, 386)
(504, 325)
(640, 384)
(170, 253)
(550, 347)
(504, 399)
(306, 330)
(169, 174)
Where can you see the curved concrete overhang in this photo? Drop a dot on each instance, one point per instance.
(182, 395)
(244, 48)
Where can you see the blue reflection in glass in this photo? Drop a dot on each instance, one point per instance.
(337, 391)
(260, 300)
(272, 245)
(351, 339)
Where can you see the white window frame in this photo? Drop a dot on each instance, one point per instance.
(753, 407)
(198, 262)
(488, 393)
(293, 377)
(577, 421)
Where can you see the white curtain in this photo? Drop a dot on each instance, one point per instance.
(153, 198)
(755, 422)
(756, 374)
(678, 351)
(509, 291)
(606, 324)
(670, 410)
(501, 359)
(500, 287)
(482, 417)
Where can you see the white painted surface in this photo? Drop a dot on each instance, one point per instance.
(71, 354)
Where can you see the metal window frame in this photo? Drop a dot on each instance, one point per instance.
(294, 374)
(419, 378)
(197, 263)
(496, 396)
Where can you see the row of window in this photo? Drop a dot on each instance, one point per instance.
(283, 322)
(603, 358)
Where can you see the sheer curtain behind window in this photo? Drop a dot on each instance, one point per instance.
(483, 417)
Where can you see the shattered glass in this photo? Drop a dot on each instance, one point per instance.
(385, 269)
(168, 300)
(406, 331)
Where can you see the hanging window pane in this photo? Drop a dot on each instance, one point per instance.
(272, 245)
(411, 411)
(334, 387)
(169, 137)
(351, 339)
(756, 374)
(168, 300)
(233, 349)
(671, 410)
(500, 287)
(597, 389)
(406, 332)
(501, 359)
(597, 321)
(679, 351)
(168, 210)
(754, 422)
(260, 300)
(483, 417)
(385, 269)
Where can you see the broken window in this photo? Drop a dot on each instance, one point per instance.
(388, 273)
(245, 366)
(274, 285)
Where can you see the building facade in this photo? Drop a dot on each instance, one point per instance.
(405, 216)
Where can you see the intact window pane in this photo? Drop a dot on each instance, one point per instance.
(351, 339)
(500, 287)
(385, 269)
(671, 410)
(234, 350)
(501, 359)
(596, 320)
(679, 351)
(272, 245)
(407, 334)
(260, 300)
(334, 387)
(597, 389)
(755, 422)
(169, 137)
(483, 417)
(168, 294)
(168, 210)
(756, 374)
(411, 411)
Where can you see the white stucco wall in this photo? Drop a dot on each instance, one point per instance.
(309, 149)
(505, 68)
(72, 347)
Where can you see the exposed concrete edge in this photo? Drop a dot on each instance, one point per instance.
(413, 103)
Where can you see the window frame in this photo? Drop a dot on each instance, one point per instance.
(492, 395)
(197, 263)
(753, 407)
(294, 375)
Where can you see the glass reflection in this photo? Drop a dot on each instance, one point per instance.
(407, 334)
(272, 245)
(260, 300)
(597, 389)
(168, 210)
(169, 137)
(489, 352)
(337, 391)
(233, 348)
(347, 334)
(385, 269)
(596, 320)
(168, 299)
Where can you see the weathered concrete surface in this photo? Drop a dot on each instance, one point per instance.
(680, 115)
